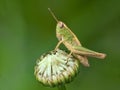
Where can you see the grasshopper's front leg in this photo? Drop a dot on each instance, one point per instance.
(58, 44)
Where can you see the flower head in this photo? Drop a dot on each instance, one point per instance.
(56, 68)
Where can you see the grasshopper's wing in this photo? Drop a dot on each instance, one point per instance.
(87, 52)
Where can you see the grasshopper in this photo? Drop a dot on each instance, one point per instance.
(71, 42)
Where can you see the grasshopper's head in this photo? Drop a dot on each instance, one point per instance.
(60, 26)
(62, 31)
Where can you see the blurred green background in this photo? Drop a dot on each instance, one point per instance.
(27, 30)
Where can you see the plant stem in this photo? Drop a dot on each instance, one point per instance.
(61, 87)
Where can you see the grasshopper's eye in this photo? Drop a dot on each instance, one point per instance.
(61, 25)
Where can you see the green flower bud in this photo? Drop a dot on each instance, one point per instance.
(55, 68)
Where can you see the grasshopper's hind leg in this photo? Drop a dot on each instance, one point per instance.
(87, 52)
(83, 59)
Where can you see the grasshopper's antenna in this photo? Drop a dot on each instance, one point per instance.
(53, 14)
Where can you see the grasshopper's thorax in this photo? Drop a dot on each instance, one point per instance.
(65, 34)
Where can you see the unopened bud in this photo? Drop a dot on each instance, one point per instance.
(56, 68)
